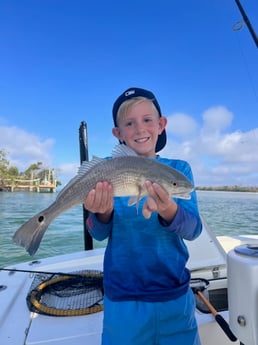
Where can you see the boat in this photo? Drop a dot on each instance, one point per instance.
(43, 324)
(59, 300)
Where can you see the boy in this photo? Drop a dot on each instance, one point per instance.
(147, 300)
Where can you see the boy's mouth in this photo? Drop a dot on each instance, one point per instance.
(142, 140)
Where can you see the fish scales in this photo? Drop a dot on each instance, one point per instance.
(122, 175)
(127, 175)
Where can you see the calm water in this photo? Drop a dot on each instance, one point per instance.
(227, 213)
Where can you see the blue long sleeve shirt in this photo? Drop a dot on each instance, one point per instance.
(145, 259)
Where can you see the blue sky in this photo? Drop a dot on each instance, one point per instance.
(63, 62)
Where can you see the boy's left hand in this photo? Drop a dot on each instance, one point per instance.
(159, 201)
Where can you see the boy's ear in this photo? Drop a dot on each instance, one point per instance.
(116, 133)
(162, 123)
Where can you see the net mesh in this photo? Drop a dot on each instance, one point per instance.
(77, 293)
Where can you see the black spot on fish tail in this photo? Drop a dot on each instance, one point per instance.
(41, 219)
(30, 234)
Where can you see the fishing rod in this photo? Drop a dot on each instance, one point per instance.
(84, 156)
(14, 270)
(198, 285)
(247, 22)
(218, 317)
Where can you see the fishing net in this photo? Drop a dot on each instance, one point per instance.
(76, 293)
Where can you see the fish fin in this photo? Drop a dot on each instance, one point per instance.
(30, 234)
(122, 150)
(87, 165)
(135, 199)
(84, 168)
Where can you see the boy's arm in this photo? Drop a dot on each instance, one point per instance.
(185, 224)
(97, 229)
(187, 221)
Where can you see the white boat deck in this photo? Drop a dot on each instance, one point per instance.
(16, 319)
(19, 326)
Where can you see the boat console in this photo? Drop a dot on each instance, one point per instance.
(243, 292)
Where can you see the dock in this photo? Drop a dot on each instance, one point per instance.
(45, 182)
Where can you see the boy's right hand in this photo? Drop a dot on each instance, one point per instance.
(100, 201)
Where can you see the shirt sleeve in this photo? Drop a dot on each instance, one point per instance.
(187, 222)
(99, 231)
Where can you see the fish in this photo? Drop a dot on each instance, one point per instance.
(125, 170)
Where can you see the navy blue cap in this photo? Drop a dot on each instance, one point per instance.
(133, 92)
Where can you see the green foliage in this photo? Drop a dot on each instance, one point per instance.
(4, 163)
(13, 171)
(8, 172)
(32, 168)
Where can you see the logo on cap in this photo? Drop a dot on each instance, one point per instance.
(130, 92)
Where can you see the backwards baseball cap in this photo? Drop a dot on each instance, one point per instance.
(133, 92)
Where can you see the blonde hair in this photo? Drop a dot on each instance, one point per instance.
(122, 111)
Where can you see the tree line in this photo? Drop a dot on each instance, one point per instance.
(235, 188)
(10, 172)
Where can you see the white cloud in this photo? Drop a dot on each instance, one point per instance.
(240, 147)
(216, 119)
(217, 156)
(66, 172)
(181, 125)
(23, 148)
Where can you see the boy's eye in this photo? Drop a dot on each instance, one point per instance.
(131, 123)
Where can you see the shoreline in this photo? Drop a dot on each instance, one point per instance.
(250, 189)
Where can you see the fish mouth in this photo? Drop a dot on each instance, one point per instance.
(181, 195)
(184, 189)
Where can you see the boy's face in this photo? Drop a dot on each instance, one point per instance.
(140, 127)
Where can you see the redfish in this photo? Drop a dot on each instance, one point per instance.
(127, 173)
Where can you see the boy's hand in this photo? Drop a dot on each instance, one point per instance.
(100, 201)
(159, 201)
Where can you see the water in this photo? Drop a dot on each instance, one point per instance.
(227, 213)
(230, 213)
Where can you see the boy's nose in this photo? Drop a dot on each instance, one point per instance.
(139, 127)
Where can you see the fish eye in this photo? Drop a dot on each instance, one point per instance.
(174, 184)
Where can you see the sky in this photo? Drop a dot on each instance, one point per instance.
(66, 61)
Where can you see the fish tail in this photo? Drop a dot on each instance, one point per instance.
(30, 234)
